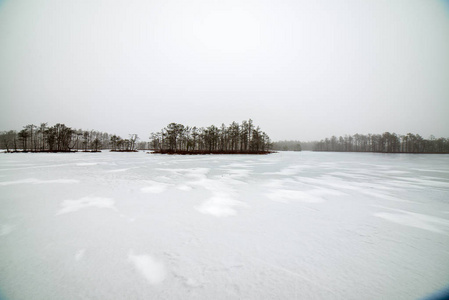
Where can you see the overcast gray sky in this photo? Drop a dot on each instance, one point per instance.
(300, 69)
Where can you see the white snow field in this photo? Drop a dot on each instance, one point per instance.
(282, 226)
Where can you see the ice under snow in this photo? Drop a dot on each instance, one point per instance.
(288, 225)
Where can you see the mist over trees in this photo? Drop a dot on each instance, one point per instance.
(287, 146)
(293, 145)
(61, 138)
(235, 138)
(385, 143)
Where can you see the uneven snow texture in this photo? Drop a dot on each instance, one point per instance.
(282, 226)
(151, 269)
(75, 205)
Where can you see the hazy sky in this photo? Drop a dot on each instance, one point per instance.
(300, 69)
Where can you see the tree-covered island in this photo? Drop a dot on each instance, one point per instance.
(236, 138)
(62, 138)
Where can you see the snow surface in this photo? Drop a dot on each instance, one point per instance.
(282, 226)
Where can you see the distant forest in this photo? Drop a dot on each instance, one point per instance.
(60, 138)
(236, 138)
(385, 143)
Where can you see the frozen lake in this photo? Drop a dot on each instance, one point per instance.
(282, 226)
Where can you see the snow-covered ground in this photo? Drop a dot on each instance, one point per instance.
(282, 226)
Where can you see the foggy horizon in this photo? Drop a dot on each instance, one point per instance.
(300, 70)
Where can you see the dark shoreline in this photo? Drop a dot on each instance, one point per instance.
(380, 152)
(200, 152)
(55, 151)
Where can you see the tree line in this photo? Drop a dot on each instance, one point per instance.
(386, 143)
(235, 138)
(61, 138)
